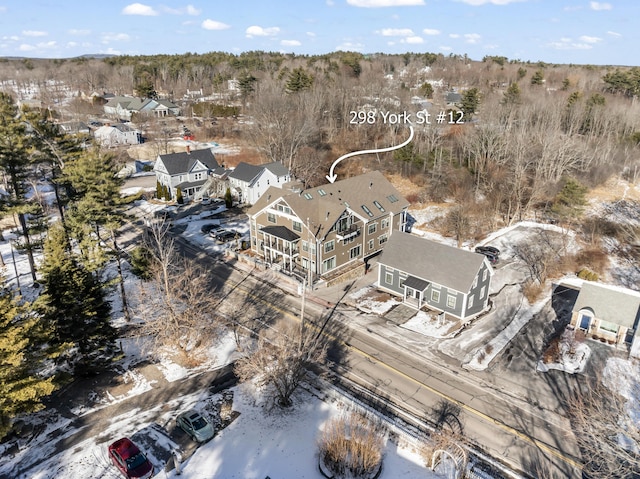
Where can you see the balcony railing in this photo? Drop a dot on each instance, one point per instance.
(349, 233)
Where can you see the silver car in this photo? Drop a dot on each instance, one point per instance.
(195, 425)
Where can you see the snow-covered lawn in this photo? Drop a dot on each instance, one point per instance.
(283, 444)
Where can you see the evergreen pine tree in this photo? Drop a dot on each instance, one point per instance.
(228, 199)
(470, 102)
(74, 307)
(21, 388)
(159, 190)
(179, 198)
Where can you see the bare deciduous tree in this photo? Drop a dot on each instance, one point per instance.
(608, 437)
(281, 360)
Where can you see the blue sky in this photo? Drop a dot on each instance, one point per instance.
(554, 31)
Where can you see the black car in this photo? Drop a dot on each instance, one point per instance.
(208, 227)
(225, 235)
(492, 250)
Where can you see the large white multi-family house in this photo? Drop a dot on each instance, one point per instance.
(249, 182)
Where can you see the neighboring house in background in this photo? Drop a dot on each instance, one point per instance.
(116, 135)
(187, 170)
(328, 229)
(122, 107)
(608, 313)
(74, 128)
(441, 277)
(249, 182)
(452, 99)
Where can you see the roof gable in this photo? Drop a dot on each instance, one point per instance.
(246, 172)
(609, 303)
(183, 162)
(435, 262)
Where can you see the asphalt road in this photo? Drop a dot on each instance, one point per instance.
(516, 432)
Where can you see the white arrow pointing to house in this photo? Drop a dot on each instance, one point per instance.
(332, 176)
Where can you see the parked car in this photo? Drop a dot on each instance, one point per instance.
(195, 425)
(208, 227)
(130, 460)
(488, 249)
(225, 235)
(205, 200)
(215, 231)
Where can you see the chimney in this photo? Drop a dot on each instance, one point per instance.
(188, 149)
(370, 185)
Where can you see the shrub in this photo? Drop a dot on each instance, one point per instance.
(588, 275)
(351, 446)
(532, 291)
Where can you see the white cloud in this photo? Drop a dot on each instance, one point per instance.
(72, 44)
(75, 31)
(49, 44)
(445, 48)
(214, 25)
(311, 34)
(477, 3)
(115, 37)
(414, 40)
(26, 47)
(396, 32)
(454, 35)
(111, 51)
(191, 10)
(569, 44)
(350, 47)
(600, 6)
(290, 43)
(188, 10)
(614, 34)
(34, 33)
(139, 9)
(588, 39)
(384, 3)
(330, 3)
(14, 38)
(256, 31)
(431, 31)
(472, 37)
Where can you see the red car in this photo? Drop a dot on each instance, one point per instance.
(130, 460)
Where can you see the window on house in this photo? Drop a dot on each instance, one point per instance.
(305, 246)
(329, 246)
(383, 239)
(451, 301)
(354, 252)
(297, 226)
(321, 192)
(585, 321)
(197, 176)
(484, 275)
(372, 228)
(608, 327)
(379, 206)
(329, 264)
(284, 209)
(371, 244)
(475, 283)
(384, 224)
(470, 302)
(271, 218)
(435, 296)
(482, 292)
(388, 278)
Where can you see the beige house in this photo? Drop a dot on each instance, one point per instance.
(608, 313)
(324, 229)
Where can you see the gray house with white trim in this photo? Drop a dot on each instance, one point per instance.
(435, 275)
(187, 170)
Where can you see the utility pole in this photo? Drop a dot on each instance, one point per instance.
(304, 293)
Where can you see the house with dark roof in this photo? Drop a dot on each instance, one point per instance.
(187, 170)
(608, 313)
(329, 228)
(429, 274)
(249, 182)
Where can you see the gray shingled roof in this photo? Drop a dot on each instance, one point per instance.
(323, 205)
(611, 304)
(246, 172)
(445, 265)
(281, 232)
(177, 163)
(277, 168)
